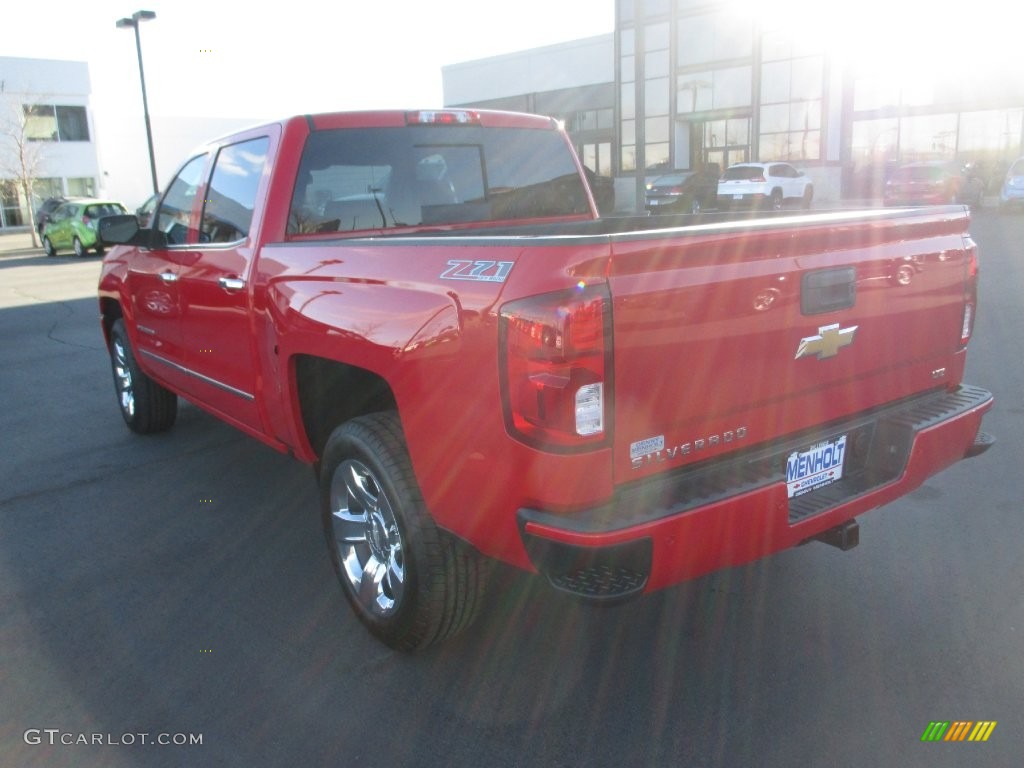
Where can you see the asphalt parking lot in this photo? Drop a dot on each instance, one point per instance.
(167, 588)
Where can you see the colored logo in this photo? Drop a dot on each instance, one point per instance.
(958, 730)
(828, 342)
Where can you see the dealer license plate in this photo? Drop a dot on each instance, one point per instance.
(815, 467)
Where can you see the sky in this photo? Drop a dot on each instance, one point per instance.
(212, 66)
(227, 59)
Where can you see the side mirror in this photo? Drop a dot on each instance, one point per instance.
(119, 230)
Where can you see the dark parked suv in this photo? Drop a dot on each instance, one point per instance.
(45, 212)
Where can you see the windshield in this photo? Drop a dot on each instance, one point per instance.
(379, 178)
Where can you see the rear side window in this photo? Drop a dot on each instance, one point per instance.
(103, 209)
(231, 197)
(379, 178)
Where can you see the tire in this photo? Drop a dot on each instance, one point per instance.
(775, 200)
(146, 406)
(48, 248)
(99, 249)
(805, 201)
(695, 206)
(410, 584)
(79, 249)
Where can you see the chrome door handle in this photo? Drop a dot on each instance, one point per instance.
(231, 283)
(168, 277)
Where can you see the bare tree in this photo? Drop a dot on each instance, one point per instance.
(21, 158)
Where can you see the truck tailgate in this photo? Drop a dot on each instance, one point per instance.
(731, 335)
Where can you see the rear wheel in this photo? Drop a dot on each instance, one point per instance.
(145, 405)
(78, 248)
(775, 200)
(695, 206)
(410, 583)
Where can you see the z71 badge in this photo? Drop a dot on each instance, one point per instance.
(480, 271)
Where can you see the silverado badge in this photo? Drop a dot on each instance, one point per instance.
(828, 342)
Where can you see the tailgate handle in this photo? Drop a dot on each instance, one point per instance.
(828, 290)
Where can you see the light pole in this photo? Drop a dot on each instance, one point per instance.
(133, 22)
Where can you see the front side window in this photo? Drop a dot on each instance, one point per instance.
(231, 197)
(378, 178)
(174, 215)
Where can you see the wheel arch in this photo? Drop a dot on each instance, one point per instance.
(330, 393)
(110, 312)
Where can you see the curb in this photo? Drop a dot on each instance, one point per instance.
(22, 252)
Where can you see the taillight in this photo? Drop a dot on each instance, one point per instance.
(970, 292)
(556, 368)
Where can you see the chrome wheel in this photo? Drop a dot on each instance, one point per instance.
(123, 380)
(369, 544)
(145, 405)
(410, 583)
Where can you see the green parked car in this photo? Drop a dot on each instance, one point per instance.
(74, 226)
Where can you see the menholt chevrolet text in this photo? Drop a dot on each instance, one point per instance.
(427, 308)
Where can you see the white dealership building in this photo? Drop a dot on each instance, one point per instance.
(45, 104)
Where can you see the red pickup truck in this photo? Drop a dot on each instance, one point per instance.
(428, 308)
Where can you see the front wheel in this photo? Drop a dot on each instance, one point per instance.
(808, 196)
(145, 405)
(407, 581)
(775, 201)
(48, 248)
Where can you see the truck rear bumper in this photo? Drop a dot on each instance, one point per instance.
(668, 529)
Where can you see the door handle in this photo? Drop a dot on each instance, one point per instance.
(231, 283)
(168, 277)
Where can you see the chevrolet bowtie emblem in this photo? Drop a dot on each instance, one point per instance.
(828, 342)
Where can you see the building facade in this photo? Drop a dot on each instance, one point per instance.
(703, 81)
(693, 82)
(44, 105)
